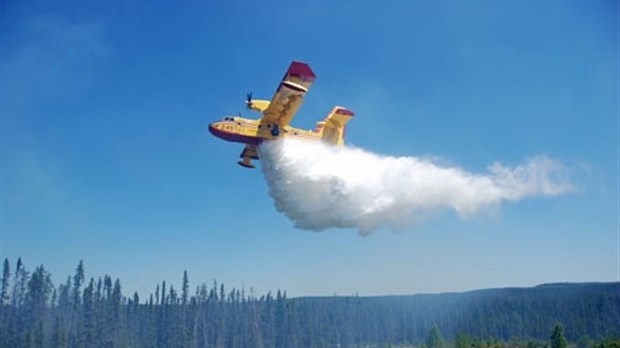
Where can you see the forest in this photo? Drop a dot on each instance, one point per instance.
(95, 313)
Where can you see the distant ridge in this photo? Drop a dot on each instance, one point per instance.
(562, 284)
(558, 285)
(585, 309)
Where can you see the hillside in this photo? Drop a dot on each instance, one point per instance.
(95, 313)
(585, 309)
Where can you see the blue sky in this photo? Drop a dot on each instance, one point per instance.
(106, 158)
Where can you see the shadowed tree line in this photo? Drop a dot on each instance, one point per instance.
(94, 313)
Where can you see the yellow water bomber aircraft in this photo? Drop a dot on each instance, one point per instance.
(277, 115)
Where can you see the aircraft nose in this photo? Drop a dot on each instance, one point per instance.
(212, 128)
(215, 128)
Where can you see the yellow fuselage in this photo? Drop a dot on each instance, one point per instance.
(251, 131)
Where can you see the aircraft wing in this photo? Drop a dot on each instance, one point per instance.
(289, 95)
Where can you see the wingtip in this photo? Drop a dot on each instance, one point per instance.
(298, 68)
(343, 111)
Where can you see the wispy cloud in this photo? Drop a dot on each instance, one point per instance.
(49, 59)
(48, 64)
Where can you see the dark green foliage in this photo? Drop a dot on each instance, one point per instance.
(59, 336)
(6, 277)
(4, 299)
(557, 337)
(464, 341)
(95, 313)
(434, 339)
(609, 343)
(78, 279)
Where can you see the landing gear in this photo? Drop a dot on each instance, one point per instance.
(275, 131)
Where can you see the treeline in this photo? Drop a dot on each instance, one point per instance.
(95, 313)
(586, 311)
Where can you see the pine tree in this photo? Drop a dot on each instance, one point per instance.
(76, 336)
(19, 321)
(78, 279)
(19, 284)
(64, 302)
(462, 341)
(434, 339)
(163, 293)
(89, 315)
(184, 309)
(115, 309)
(59, 336)
(557, 338)
(4, 304)
(39, 290)
(6, 276)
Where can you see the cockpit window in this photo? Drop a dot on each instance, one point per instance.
(228, 118)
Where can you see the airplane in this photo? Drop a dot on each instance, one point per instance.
(276, 116)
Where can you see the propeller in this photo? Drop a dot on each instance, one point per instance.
(248, 101)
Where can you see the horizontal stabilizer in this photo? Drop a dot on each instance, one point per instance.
(332, 128)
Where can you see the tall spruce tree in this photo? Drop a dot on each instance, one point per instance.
(75, 332)
(434, 339)
(19, 284)
(462, 341)
(4, 299)
(18, 322)
(39, 289)
(59, 336)
(6, 277)
(185, 288)
(557, 337)
(78, 279)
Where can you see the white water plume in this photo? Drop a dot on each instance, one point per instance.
(319, 186)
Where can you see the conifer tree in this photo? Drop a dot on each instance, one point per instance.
(557, 338)
(185, 288)
(39, 289)
(462, 341)
(19, 322)
(6, 276)
(434, 339)
(4, 299)
(59, 336)
(89, 314)
(76, 336)
(78, 279)
(19, 284)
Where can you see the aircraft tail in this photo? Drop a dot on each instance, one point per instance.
(333, 126)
